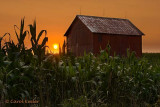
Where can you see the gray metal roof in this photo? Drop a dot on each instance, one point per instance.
(109, 25)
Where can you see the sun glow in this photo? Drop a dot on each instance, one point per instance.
(55, 46)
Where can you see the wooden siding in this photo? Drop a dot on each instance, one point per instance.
(80, 39)
(118, 43)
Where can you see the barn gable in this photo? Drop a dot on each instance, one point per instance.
(72, 25)
(76, 43)
(115, 26)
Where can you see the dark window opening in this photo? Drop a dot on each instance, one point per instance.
(100, 38)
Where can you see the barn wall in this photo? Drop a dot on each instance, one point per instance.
(80, 39)
(119, 43)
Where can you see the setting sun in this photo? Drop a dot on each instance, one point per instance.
(55, 46)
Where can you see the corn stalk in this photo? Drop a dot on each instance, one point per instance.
(1, 38)
(38, 49)
(21, 36)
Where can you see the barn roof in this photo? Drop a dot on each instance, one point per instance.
(107, 25)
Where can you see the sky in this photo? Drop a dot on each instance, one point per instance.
(55, 16)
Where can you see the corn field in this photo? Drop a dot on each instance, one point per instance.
(69, 81)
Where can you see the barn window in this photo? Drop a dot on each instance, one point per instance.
(100, 38)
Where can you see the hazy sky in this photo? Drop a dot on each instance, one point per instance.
(56, 16)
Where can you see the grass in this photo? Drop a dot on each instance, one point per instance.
(68, 81)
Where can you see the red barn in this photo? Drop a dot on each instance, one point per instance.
(90, 33)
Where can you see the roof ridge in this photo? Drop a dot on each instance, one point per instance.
(102, 17)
